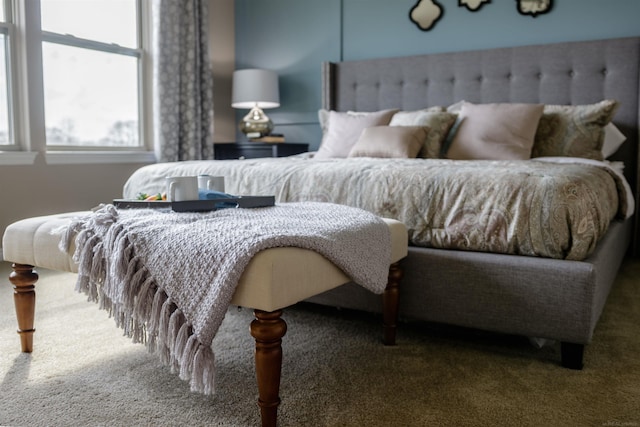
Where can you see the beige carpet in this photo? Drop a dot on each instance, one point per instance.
(83, 372)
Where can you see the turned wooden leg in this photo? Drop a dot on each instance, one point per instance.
(268, 328)
(23, 279)
(390, 301)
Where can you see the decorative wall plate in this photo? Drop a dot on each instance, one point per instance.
(426, 13)
(534, 7)
(472, 5)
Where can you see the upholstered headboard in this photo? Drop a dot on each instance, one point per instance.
(563, 73)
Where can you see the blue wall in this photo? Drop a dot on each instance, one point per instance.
(293, 37)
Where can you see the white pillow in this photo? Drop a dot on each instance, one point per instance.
(323, 118)
(613, 139)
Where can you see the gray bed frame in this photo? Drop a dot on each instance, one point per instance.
(534, 297)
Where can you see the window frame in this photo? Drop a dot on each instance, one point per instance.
(27, 90)
(7, 27)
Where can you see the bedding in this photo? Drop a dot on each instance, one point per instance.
(524, 207)
(436, 119)
(573, 130)
(343, 131)
(438, 122)
(523, 295)
(490, 131)
(495, 131)
(390, 141)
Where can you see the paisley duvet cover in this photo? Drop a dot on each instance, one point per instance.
(527, 207)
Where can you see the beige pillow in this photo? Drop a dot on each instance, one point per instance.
(390, 141)
(439, 122)
(573, 130)
(495, 131)
(323, 116)
(343, 131)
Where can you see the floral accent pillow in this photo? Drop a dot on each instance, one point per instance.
(439, 122)
(573, 130)
(402, 142)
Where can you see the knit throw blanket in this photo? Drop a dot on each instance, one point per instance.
(168, 278)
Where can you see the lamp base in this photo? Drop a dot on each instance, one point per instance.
(256, 122)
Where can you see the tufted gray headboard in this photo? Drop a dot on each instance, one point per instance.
(562, 73)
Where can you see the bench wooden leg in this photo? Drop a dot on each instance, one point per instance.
(390, 301)
(23, 279)
(268, 328)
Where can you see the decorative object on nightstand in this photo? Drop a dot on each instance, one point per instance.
(273, 137)
(255, 89)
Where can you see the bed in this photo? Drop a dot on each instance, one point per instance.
(555, 299)
(544, 282)
(526, 240)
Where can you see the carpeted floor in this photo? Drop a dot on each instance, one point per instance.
(83, 372)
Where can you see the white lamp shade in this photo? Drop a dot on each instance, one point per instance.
(254, 87)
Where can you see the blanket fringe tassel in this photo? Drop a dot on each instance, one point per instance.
(139, 307)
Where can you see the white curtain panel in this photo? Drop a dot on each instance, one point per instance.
(183, 81)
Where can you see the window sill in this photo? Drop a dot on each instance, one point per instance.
(15, 158)
(26, 158)
(97, 157)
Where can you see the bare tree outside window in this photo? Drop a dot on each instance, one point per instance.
(91, 73)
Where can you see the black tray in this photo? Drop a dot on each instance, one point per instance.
(199, 205)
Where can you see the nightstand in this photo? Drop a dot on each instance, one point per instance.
(254, 150)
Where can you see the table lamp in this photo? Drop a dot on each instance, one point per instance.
(255, 89)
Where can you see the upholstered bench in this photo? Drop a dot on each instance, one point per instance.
(274, 279)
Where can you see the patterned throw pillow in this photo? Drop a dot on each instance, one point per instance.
(439, 122)
(573, 130)
(390, 142)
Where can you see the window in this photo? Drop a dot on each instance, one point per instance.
(6, 127)
(75, 77)
(91, 61)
